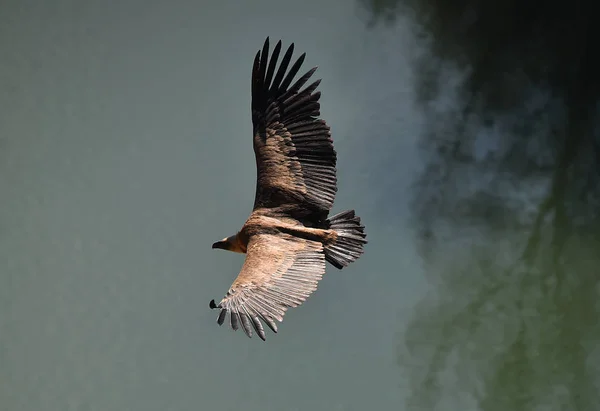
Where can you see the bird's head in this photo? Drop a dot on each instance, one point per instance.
(231, 243)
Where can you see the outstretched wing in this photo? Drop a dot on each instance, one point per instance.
(295, 158)
(280, 271)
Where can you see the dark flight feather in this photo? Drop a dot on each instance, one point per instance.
(288, 134)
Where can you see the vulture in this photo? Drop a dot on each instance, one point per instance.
(289, 235)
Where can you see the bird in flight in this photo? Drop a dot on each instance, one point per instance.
(289, 235)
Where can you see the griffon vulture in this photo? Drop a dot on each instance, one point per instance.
(288, 237)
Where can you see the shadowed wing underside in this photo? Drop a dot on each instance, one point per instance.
(280, 271)
(295, 158)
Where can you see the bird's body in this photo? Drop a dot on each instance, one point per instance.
(268, 221)
(288, 237)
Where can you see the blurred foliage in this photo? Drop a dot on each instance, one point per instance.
(508, 205)
(508, 44)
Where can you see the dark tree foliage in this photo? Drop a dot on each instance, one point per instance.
(507, 208)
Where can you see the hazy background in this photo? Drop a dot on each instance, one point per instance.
(125, 151)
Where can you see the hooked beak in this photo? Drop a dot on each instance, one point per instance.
(229, 244)
(220, 244)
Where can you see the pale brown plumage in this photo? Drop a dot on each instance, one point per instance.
(287, 237)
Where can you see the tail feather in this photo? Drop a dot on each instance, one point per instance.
(351, 239)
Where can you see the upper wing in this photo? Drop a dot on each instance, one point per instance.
(280, 271)
(295, 158)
